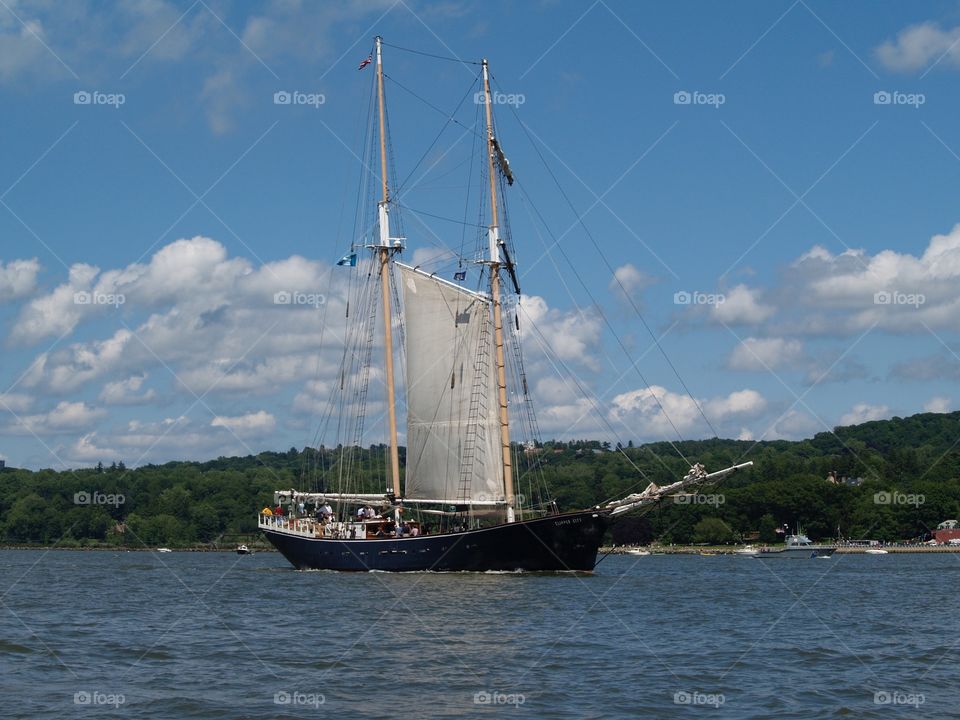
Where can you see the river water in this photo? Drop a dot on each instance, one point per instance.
(215, 635)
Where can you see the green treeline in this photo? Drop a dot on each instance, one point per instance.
(902, 479)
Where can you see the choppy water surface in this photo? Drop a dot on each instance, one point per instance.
(200, 635)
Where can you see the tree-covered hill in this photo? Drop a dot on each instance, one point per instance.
(894, 479)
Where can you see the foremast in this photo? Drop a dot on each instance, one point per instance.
(495, 264)
(385, 250)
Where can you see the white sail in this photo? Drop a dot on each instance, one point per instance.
(453, 441)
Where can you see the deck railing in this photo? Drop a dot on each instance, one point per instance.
(300, 526)
(307, 527)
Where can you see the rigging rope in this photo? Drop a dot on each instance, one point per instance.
(431, 55)
(545, 345)
(606, 262)
(449, 118)
(354, 375)
(363, 183)
(466, 201)
(440, 217)
(536, 482)
(605, 319)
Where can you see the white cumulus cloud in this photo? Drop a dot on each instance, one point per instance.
(742, 306)
(917, 46)
(125, 392)
(854, 291)
(210, 319)
(18, 278)
(864, 412)
(67, 417)
(571, 336)
(655, 411)
(938, 404)
(15, 402)
(58, 312)
(744, 403)
(181, 438)
(793, 425)
(255, 423)
(629, 283)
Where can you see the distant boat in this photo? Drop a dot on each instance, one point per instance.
(875, 551)
(637, 551)
(244, 550)
(797, 546)
(164, 550)
(747, 550)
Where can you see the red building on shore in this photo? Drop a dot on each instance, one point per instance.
(946, 531)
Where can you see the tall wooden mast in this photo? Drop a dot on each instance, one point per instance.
(495, 263)
(384, 251)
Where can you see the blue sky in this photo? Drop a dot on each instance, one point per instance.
(788, 187)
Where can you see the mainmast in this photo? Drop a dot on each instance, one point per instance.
(384, 251)
(495, 263)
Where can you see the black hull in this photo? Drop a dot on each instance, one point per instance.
(554, 543)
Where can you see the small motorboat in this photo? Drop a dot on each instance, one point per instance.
(164, 550)
(875, 551)
(797, 546)
(244, 550)
(637, 551)
(747, 551)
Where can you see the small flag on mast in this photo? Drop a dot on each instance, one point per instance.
(348, 260)
(366, 61)
(461, 275)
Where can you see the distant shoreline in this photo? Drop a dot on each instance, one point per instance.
(652, 549)
(732, 549)
(255, 549)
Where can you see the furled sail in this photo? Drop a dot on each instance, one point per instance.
(453, 441)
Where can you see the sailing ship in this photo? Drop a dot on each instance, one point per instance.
(457, 509)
